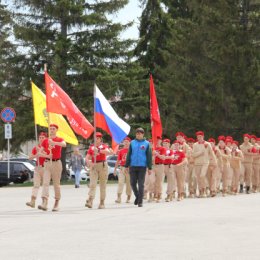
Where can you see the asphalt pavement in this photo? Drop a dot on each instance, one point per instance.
(213, 228)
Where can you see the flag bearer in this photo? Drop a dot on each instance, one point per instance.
(52, 167)
(38, 171)
(98, 170)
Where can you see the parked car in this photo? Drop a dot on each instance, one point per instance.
(23, 159)
(84, 174)
(111, 162)
(19, 172)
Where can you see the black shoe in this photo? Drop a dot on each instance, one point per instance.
(247, 189)
(136, 201)
(241, 188)
(140, 205)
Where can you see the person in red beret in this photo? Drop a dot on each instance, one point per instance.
(229, 141)
(159, 155)
(256, 164)
(179, 160)
(236, 166)
(191, 177)
(149, 183)
(171, 179)
(51, 150)
(38, 170)
(226, 156)
(97, 163)
(246, 148)
(181, 138)
(212, 172)
(124, 177)
(201, 153)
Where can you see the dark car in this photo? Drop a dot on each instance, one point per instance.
(19, 172)
(23, 159)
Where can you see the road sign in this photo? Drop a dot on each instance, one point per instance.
(8, 131)
(8, 114)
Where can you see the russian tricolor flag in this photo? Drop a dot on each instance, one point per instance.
(107, 119)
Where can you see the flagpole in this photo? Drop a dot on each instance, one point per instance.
(95, 154)
(35, 127)
(45, 70)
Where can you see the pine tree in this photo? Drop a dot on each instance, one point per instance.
(81, 46)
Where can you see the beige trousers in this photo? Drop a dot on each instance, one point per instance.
(150, 182)
(98, 172)
(171, 179)
(201, 172)
(225, 174)
(180, 177)
(248, 173)
(52, 171)
(255, 174)
(219, 178)
(236, 178)
(37, 180)
(191, 179)
(159, 178)
(212, 174)
(229, 177)
(124, 178)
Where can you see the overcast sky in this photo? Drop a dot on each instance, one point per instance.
(131, 12)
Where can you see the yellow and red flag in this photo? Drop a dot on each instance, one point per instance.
(41, 117)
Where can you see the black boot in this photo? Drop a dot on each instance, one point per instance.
(247, 189)
(241, 188)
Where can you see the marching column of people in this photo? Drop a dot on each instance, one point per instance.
(192, 168)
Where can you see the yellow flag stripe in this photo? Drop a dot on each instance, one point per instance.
(41, 117)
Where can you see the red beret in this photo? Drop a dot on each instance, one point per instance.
(222, 138)
(212, 140)
(253, 137)
(54, 125)
(98, 134)
(235, 142)
(229, 137)
(176, 142)
(190, 140)
(228, 140)
(179, 133)
(247, 135)
(159, 137)
(199, 133)
(127, 139)
(166, 141)
(43, 134)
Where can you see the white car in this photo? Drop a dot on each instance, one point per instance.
(111, 162)
(84, 174)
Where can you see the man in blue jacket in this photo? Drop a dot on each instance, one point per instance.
(139, 158)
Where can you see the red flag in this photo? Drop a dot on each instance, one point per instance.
(57, 101)
(156, 124)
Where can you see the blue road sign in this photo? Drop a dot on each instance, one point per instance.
(8, 114)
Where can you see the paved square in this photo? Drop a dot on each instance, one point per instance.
(214, 228)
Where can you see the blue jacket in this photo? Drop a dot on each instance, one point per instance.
(139, 154)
